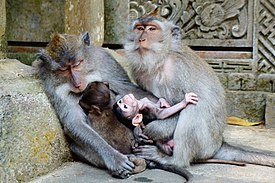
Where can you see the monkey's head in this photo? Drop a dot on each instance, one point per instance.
(96, 97)
(152, 34)
(64, 57)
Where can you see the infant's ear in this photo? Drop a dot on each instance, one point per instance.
(137, 119)
(95, 110)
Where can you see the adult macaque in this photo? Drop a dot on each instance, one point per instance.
(161, 65)
(66, 66)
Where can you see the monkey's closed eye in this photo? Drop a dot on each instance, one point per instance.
(63, 68)
(140, 28)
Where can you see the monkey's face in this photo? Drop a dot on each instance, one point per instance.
(64, 58)
(146, 34)
(129, 106)
(73, 72)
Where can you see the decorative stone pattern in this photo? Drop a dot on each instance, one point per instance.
(266, 37)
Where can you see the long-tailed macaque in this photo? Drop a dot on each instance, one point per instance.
(162, 65)
(66, 66)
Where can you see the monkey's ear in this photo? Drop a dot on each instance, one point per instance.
(95, 109)
(84, 105)
(176, 32)
(42, 55)
(137, 119)
(106, 83)
(86, 38)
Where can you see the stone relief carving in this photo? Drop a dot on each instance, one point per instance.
(266, 37)
(200, 19)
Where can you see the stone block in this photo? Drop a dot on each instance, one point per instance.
(3, 42)
(32, 142)
(270, 111)
(116, 21)
(248, 105)
(241, 81)
(85, 15)
(34, 20)
(223, 79)
(266, 82)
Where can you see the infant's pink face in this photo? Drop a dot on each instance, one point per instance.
(129, 106)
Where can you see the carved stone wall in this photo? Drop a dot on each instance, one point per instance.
(236, 37)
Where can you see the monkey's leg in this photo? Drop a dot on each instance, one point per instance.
(228, 152)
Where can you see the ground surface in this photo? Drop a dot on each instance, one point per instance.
(255, 137)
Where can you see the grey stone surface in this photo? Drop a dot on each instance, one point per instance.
(116, 21)
(3, 43)
(32, 142)
(34, 20)
(249, 105)
(270, 111)
(255, 137)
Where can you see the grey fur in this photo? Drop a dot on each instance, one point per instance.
(169, 69)
(97, 66)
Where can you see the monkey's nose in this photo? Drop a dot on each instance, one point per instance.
(141, 40)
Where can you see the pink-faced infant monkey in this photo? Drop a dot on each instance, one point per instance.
(133, 112)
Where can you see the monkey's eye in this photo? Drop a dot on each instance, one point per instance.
(63, 68)
(119, 101)
(152, 28)
(77, 64)
(140, 28)
(125, 106)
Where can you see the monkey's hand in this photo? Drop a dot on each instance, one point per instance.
(119, 165)
(140, 138)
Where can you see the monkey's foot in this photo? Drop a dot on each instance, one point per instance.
(140, 164)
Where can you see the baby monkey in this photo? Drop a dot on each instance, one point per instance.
(138, 113)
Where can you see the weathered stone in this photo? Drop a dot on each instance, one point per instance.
(85, 15)
(32, 142)
(223, 79)
(34, 20)
(266, 82)
(247, 105)
(116, 21)
(241, 81)
(3, 43)
(270, 110)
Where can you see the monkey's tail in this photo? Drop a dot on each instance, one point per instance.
(229, 152)
(172, 168)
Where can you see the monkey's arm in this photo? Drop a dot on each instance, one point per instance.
(163, 113)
